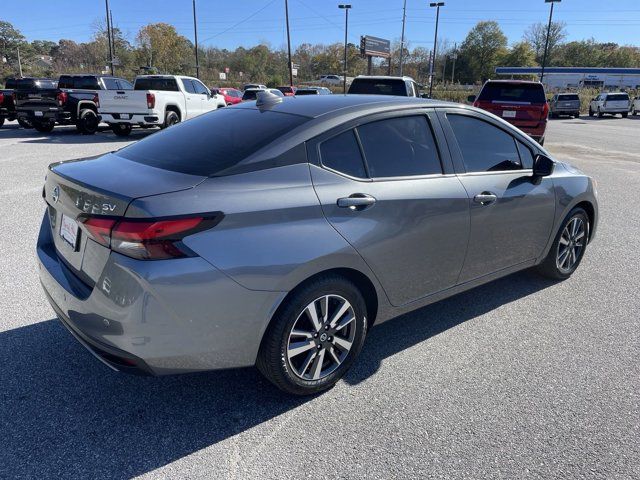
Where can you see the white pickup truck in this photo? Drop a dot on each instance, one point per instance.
(156, 100)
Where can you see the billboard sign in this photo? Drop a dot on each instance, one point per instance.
(375, 47)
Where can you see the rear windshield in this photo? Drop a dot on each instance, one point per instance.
(617, 96)
(307, 92)
(513, 92)
(28, 83)
(250, 94)
(88, 82)
(286, 89)
(165, 84)
(189, 147)
(568, 97)
(378, 87)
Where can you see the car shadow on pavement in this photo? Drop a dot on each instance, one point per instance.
(65, 415)
(70, 136)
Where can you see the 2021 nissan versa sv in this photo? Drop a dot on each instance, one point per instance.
(276, 233)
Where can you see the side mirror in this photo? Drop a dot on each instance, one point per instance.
(471, 98)
(542, 166)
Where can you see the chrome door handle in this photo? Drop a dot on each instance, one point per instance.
(485, 198)
(356, 201)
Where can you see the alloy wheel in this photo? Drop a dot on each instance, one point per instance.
(321, 337)
(571, 244)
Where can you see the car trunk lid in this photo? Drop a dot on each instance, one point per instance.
(99, 187)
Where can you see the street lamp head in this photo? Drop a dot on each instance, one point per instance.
(344, 5)
(552, 1)
(436, 4)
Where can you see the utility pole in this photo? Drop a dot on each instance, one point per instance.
(546, 43)
(444, 69)
(454, 57)
(19, 62)
(286, 16)
(404, 20)
(435, 44)
(113, 41)
(346, 8)
(195, 33)
(109, 35)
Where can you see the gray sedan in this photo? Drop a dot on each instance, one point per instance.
(277, 232)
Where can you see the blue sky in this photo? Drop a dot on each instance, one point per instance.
(228, 24)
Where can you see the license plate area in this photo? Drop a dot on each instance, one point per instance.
(38, 113)
(509, 114)
(69, 231)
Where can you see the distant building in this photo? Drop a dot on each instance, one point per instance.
(560, 78)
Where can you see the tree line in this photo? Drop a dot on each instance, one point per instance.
(159, 48)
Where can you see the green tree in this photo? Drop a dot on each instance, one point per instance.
(10, 40)
(520, 55)
(481, 51)
(161, 46)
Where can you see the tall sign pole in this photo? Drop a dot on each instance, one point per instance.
(286, 16)
(404, 20)
(435, 44)
(109, 35)
(195, 34)
(546, 43)
(346, 8)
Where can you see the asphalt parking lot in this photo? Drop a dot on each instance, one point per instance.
(521, 378)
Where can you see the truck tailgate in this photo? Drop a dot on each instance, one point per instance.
(123, 101)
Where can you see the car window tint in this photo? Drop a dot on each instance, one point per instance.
(526, 155)
(342, 154)
(65, 82)
(164, 84)
(86, 83)
(124, 85)
(111, 83)
(187, 85)
(484, 147)
(512, 92)
(614, 97)
(375, 86)
(187, 147)
(200, 88)
(400, 147)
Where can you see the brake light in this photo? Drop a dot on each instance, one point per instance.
(476, 104)
(1, 97)
(151, 100)
(96, 100)
(62, 98)
(545, 111)
(147, 239)
(99, 229)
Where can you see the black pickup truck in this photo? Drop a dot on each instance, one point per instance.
(7, 96)
(73, 102)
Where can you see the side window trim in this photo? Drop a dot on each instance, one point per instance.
(318, 146)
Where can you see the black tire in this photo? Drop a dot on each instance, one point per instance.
(576, 115)
(634, 113)
(600, 114)
(549, 266)
(88, 122)
(1, 122)
(44, 127)
(541, 141)
(24, 123)
(625, 114)
(121, 129)
(590, 112)
(170, 118)
(273, 361)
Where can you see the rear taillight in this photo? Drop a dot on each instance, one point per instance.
(476, 104)
(96, 100)
(151, 100)
(1, 97)
(545, 111)
(62, 98)
(147, 239)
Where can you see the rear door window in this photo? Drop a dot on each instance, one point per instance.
(484, 147)
(400, 147)
(525, 93)
(342, 154)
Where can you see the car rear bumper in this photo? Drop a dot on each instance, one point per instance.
(614, 110)
(157, 317)
(59, 116)
(132, 118)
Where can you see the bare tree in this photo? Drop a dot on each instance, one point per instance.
(536, 35)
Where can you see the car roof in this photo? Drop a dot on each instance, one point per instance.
(514, 81)
(335, 105)
(385, 77)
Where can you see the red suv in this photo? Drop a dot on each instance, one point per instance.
(288, 91)
(231, 95)
(521, 103)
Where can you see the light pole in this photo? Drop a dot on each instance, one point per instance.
(435, 44)
(454, 57)
(106, 4)
(195, 34)
(286, 15)
(345, 7)
(546, 43)
(404, 20)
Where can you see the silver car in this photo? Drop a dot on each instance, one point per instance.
(276, 233)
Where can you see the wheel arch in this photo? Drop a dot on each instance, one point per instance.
(588, 207)
(84, 104)
(173, 108)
